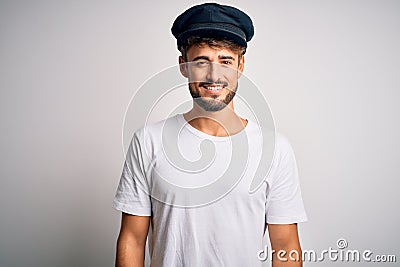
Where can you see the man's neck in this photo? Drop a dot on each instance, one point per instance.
(220, 123)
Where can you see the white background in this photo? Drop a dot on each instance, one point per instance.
(329, 70)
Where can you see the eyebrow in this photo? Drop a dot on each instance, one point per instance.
(201, 57)
(207, 58)
(227, 57)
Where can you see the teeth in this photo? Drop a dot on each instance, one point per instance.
(214, 88)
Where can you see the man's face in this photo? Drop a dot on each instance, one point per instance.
(213, 75)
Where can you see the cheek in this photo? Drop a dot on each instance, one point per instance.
(197, 75)
(232, 78)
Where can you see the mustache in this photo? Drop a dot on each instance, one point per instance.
(210, 82)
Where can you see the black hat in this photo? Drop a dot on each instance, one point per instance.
(213, 20)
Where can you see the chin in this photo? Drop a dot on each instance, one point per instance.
(210, 105)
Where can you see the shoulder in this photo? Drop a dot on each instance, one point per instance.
(284, 155)
(273, 138)
(150, 135)
(284, 161)
(282, 144)
(153, 128)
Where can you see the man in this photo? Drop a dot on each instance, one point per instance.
(224, 224)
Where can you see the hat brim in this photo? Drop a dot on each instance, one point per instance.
(216, 31)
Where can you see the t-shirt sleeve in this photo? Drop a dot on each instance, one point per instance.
(132, 195)
(284, 201)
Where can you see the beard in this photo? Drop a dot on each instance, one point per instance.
(212, 103)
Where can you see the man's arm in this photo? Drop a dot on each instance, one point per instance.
(132, 240)
(285, 237)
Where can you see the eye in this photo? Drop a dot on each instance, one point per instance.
(201, 63)
(227, 62)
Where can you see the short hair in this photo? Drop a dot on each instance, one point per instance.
(212, 42)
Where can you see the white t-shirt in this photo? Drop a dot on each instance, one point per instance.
(192, 230)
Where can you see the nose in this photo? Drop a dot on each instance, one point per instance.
(213, 72)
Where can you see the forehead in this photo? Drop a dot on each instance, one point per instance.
(209, 51)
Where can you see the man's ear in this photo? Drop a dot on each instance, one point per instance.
(183, 67)
(241, 66)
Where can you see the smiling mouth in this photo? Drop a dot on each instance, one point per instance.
(213, 88)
